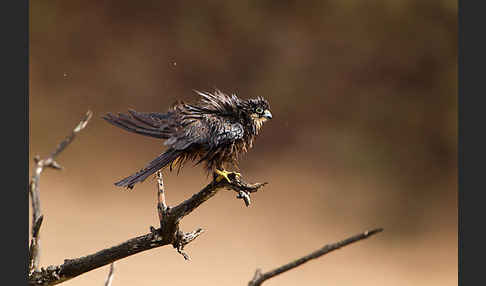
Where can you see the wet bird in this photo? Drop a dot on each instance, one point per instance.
(215, 131)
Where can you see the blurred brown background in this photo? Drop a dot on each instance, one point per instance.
(364, 135)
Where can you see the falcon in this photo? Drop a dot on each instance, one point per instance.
(215, 131)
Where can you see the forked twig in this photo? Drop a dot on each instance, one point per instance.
(37, 217)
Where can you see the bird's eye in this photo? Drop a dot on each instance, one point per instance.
(259, 110)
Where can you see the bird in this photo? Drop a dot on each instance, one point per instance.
(216, 130)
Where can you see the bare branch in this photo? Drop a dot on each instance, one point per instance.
(34, 249)
(168, 234)
(109, 279)
(210, 190)
(260, 277)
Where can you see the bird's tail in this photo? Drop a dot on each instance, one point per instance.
(158, 163)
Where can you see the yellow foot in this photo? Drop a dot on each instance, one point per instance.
(223, 174)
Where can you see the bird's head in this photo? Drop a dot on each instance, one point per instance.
(258, 112)
(250, 112)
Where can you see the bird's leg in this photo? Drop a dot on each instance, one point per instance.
(223, 174)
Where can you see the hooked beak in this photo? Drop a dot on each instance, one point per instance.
(267, 114)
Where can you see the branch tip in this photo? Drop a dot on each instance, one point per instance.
(81, 125)
(245, 196)
(373, 231)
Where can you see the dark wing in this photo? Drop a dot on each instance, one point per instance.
(194, 132)
(152, 124)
